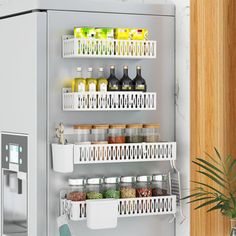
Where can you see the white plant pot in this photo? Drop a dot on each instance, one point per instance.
(63, 158)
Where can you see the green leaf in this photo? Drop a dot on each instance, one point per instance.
(194, 195)
(210, 170)
(217, 207)
(212, 178)
(210, 165)
(208, 186)
(207, 203)
(213, 159)
(229, 157)
(233, 163)
(200, 199)
(218, 154)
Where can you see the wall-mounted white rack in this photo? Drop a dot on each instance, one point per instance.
(128, 207)
(65, 156)
(108, 48)
(108, 101)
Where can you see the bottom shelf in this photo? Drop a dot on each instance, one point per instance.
(126, 207)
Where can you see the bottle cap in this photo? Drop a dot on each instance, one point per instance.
(76, 182)
(78, 69)
(138, 67)
(125, 67)
(90, 69)
(112, 67)
(101, 69)
(144, 178)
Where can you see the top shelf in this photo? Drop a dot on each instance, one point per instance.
(100, 48)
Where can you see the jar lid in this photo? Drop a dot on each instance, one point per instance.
(79, 126)
(134, 126)
(117, 126)
(76, 182)
(151, 126)
(144, 178)
(94, 181)
(160, 177)
(79, 69)
(101, 126)
(128, 179)
(112, 180)
(100, 142)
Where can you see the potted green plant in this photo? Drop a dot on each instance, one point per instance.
(222, 196)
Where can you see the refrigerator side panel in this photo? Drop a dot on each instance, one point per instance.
(23, 102)
(160, 77)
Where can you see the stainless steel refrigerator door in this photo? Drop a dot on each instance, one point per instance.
(23, 102)
(160, 77)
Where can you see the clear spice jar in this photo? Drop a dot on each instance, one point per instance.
(151, 133)
(83, 134)
(116, 133)
(160, 185)
(100, 133)
(133, 133)
(77, 191)
(143, 186)
(111, 187)
(127, 187)
(94, 188)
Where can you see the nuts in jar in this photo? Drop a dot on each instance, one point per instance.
(151, 133)
(143, 186)
(77, 190)
(133, 133)
(160, 185)
(127, 187)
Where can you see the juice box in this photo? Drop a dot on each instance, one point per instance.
(138, 34)
(84, 32)
(104, 33)
(122, 33)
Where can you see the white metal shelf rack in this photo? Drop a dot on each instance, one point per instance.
(108, 101)
(110, 48)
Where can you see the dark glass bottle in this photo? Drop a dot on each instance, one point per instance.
(113, 82)
(139, 82)
(126, 83)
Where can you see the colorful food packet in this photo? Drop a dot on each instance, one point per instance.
(138, 34)
(84, 32)
(122, 33)
(104, 33)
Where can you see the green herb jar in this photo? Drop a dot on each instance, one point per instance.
(111, 188)
(94, 188)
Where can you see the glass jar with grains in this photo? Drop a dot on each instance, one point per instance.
(151, 133)
(83, 134)
(143, 186)
(133, 133)
(160, 185)
(94, 188)
(111, 188)
(116, 133)
(127, 187)
(77, 191)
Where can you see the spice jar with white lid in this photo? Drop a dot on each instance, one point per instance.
(94, 188)
(100, 133)
(160, 185)
(128, 187)
(77, 191)
(83, 134)
(143, 186)
(151, 133)
(116, 133)
(133, 133)
(111, 187)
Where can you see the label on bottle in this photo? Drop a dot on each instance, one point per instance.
(92, 87)
(103, 87)
(126, 87)
(81, 87)
(140, 87)
(113, 88)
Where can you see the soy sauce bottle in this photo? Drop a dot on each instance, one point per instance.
(126, 83)
(113, 82)
(139, 82)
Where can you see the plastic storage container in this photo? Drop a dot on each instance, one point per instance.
(77, 191)
(133, 133)
(94, 188)
(100, 133)
(116, 133)
(111, 187)
(151, 133)
(143, 186)
(127, 187)
(83, 134)
(160, 185)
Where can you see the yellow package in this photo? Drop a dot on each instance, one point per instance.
(84, 33)
(138, 34)
(104, 33)
(122, 33)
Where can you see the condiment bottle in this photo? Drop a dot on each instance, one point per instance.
(113, 82)
(139, 82)
(151, 133)
(83, 134)
(127, 187)
(102, 81)
(94, 188)
(143, 186)
(133, 133)
(126, 83)
(116, 133)
(77, 191)
(160, 185)
(111, 188)
(91, 81)
(79, 84)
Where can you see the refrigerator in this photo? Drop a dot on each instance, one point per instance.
(39, 57)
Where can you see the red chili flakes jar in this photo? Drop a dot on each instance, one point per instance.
(143, 186)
